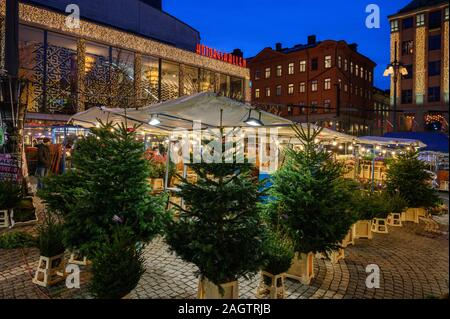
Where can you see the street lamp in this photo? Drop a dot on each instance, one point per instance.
(396, 70)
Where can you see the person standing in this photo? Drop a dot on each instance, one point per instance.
(43, 162)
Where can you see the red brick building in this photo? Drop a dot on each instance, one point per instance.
(327, 82)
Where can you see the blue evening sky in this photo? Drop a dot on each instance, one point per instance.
(252, 25)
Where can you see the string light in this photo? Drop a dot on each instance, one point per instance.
(350, 147)
(340, 147)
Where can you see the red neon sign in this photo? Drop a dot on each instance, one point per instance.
(218, 55)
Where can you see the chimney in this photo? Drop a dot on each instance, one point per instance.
(353, 46)
(238, 52)
(312, 39)
(278, 46)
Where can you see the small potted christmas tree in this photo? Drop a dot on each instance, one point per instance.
(220, 228)
(312, 201)
(279, 252)
(407, 175)
(397, 205)
(10, 196)
(51, 265)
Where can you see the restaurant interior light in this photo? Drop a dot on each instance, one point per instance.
(154, 121)
(253, 121)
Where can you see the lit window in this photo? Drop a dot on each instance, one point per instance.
(268, 92)
(345, 87)
(345, 65)
(291, 68)
(361, 72)
(356, 70)
(351, 67)
(302, 66)
(420, 19)
(257, 93)
(328, 62)
(257, 75)
(314, 86)
(394, 25)
(370, 76)
(278, 90)
(302, 87)
(291, 89)
(340, 83)
(407, 47)
(446, 14)
(339, 62)
(267, 74)
(327, 84)
(279, 70)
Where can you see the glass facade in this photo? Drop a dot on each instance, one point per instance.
(110, 77)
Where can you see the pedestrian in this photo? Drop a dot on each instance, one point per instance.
(43, 162)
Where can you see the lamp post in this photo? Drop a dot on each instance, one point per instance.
(396, 70)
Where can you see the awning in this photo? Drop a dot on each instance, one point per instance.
(211, 110)
(378, 140)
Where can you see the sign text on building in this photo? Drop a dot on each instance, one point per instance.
(218, 55)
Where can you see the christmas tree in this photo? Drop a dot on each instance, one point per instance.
(310, 200)
(220, 229)
(108, 186)
(407, 176)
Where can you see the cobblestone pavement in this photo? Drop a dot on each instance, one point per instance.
(413, 264)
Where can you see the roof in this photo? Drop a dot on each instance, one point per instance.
(420, 4)
(437, 142)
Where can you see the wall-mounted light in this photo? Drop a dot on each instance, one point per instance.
(253, 121)
(154, 121)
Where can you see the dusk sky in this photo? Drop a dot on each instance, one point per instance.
(253, 25)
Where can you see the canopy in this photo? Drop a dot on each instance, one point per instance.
(211, 110)
(389, 141)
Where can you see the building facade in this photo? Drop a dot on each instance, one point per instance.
(381, 107)
(67, 70)
(420, 36)
(327, 82)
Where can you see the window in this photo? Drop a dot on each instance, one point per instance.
(170, 73)
(327, 85)
(420, 19)
(314, 64)
(407, 47)
(268, 92)
(434, 19)
(291, 89)
(409, 68)
(434, 68)
(345, 87)
(327, 61)
(236, 88)
(190, 75)
(356, 70)
(361, 72)
(302, 66)
(356, 90)
(339, 82)
(446, 14)
(394, 25)
(302, 87)
(339, 62)
(257, 75)
(361, 92)
(267, 73)
(327, 106)
(313, 106)
(278, 90)
(150, 80)
(351, 67)
(302, 107)
(434, 94)
(314, 86)
(434, 42)
(257, 94)
(279, 70)
(406, 96)
(407, 23)
(291, 68)
(370, 76)
(345, 65)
